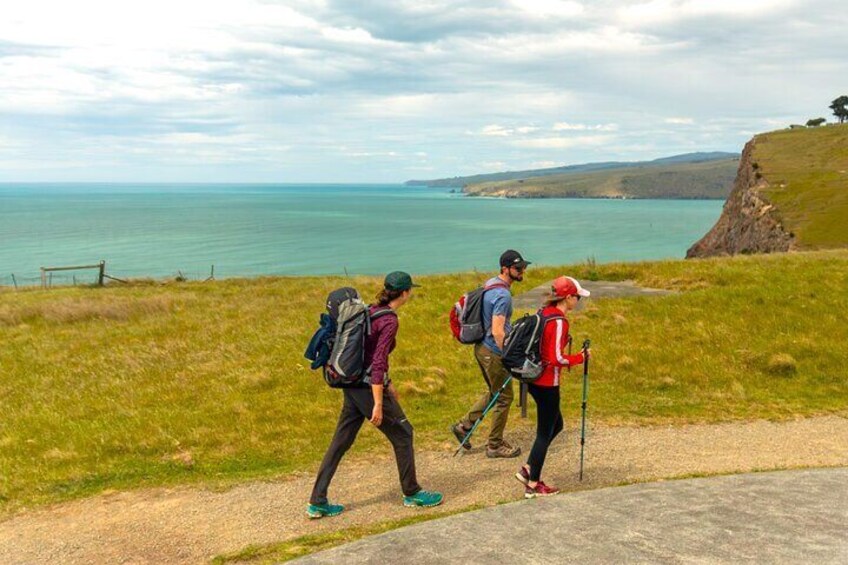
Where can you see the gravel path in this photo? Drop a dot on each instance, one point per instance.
(529, 301)
(191, 525)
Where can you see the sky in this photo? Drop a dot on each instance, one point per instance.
(388, 90)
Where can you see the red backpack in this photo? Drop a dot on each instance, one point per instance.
(466, 316)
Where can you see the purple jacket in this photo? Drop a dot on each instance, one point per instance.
(379, 344)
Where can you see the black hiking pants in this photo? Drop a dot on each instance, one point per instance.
(548, 425)
(357, 408)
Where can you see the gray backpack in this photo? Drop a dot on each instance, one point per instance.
(346, 365)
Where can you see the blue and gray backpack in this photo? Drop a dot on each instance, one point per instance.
(338, 346)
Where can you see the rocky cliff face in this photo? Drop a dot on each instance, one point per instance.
(748, 222)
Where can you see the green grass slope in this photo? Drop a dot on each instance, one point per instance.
(705, 180)
(206, 382)
(807, 172)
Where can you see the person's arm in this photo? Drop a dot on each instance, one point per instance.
(380, 366)
(377, 412)
(562, 358)
(380, 359)
(499, 330)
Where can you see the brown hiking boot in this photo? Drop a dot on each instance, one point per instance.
(504, 450)
(459, 432)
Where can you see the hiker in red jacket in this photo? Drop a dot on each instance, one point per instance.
(566, 292)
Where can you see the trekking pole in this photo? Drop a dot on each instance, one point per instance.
(570, 342)
(585, 398)
(483, 415)
(522, 399)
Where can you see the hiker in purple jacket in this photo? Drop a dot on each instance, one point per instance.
(375, 399)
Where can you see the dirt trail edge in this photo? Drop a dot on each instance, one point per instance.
(191, 525)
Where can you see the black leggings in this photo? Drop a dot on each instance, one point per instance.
(548, 425)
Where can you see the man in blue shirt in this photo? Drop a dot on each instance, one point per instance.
(497, 312)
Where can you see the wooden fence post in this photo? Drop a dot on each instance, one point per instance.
(102, 273)
(43, 278)
(14, 282)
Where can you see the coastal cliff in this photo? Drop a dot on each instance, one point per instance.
(749, 222)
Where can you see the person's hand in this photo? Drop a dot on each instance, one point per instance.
(587, 353)
(377, 415)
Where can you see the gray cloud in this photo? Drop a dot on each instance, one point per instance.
(383, 91)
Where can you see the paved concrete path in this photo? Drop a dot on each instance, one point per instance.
(777, 517)
(530, 300)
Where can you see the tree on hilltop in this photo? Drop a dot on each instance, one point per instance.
(815, 122)
(840, 108)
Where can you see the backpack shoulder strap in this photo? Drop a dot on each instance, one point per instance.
(551, 317)
(376, 315)
(499, 284)
(383, 312)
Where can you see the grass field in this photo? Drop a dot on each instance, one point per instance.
(710, 179)
(158, 384)
(807, 171)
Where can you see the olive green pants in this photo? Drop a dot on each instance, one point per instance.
(495, 375)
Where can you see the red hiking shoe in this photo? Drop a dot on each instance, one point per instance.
(541, 489)
(523, 476)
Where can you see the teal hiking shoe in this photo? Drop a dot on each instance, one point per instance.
(316, 511)
(424, 499)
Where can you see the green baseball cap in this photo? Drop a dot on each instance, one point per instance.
(398, 280)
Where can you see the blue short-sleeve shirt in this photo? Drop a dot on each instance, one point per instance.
(496, 302)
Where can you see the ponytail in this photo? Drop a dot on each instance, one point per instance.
(385, 296)
(552, 301)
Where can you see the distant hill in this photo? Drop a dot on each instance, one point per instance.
(678, 180)
(461, 182)
(791, 193)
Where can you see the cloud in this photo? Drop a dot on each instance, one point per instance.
(565, 126)
(543, 8)
(349, 35)
(563, 142)
(679, 121)
(667, 11)
(270, 89)
(495, 130)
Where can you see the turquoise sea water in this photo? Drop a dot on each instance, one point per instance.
(156, 230)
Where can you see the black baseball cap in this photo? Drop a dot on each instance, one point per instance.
(512, 258)
(398, 280)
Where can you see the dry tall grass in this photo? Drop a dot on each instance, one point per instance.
(77, 309)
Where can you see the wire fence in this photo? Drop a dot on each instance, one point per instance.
(88, 277)
(30, 280)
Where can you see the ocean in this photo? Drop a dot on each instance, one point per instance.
(159, 230)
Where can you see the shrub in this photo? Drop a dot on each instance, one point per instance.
(782, 364)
